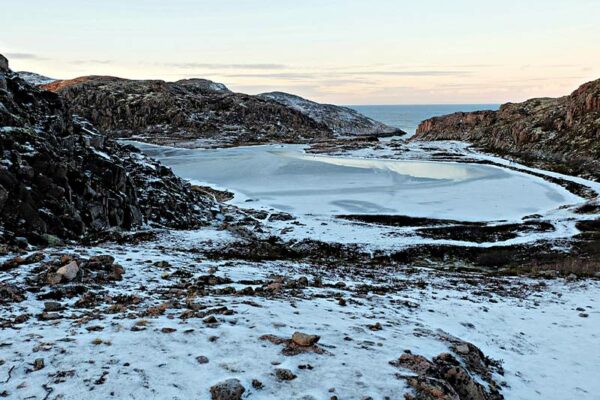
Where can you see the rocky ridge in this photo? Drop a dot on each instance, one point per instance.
(61, 179)
(559, 133)
(343, 121)
(191, 110)
(199, 112)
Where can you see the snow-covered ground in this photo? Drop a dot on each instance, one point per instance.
(182, 319)
(544, 332)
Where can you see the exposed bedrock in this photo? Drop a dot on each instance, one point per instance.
(559, 133)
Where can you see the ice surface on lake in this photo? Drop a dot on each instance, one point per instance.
(285, 178)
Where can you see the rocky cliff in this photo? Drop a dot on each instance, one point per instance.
(560, 133)
(196, 111)
(61, 179)
(342, 121)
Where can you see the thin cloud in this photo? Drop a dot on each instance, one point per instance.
(332, 75)
(283, 75)
(411, 73)
(81, 62)
(24, 56)
(193, 65)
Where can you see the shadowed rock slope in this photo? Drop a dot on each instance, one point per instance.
(558, 133)
(61, 179)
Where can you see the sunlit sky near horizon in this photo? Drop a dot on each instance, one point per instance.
(337, 51)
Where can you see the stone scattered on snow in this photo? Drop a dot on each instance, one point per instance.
(230, 389)
(69, 271)
(304, 340)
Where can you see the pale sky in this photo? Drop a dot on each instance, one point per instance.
(337, 51)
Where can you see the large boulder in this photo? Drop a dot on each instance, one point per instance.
(230, 389)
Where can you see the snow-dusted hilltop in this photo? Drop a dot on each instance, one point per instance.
(343, 121)
(34, 79)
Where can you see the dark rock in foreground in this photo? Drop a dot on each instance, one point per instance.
(61, 179)
(562, 133)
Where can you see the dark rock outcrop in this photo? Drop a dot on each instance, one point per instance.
(342, 121)
(562, 133)
(60, 178)
(196, 111)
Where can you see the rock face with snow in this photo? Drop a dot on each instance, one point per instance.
(35, 79)
(186, 110)
(59, 178)
(563, 133)
(342, 121)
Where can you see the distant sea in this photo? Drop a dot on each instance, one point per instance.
(408, 117)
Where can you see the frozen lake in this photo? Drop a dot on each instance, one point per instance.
(285, 178)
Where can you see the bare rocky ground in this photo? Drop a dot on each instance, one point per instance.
(172, 317)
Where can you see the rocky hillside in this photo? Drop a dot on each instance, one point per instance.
(196, 111)
(559, 133)
(61, 179)
(342, 121)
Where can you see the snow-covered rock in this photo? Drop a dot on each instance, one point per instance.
(343, 121)
(34, 79)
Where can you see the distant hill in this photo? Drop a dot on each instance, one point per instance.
(343, 121)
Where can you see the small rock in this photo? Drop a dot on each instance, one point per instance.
(462, 349)
(210, 320)
(168, 330)
(49, 316)
(583, 315)
(51, 306)
(375, 327)
(162, 264)
(256, 384)
(284, 374)
(202, 359)
(69, 271)
(38, 364)
(230, 389)
(304, 340)
(54, 279)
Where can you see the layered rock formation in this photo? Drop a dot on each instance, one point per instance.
(342, 121)
(559, 133)
(60, 178)
(184, 111)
